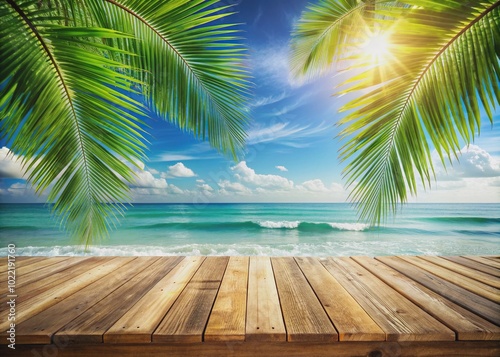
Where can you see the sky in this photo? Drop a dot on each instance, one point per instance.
(292, 150)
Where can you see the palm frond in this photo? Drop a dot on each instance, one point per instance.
(62, 112)
(444, 65)
(324, 33)
(191, 63)
(65, 68)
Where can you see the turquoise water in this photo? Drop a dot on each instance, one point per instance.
(264, 229)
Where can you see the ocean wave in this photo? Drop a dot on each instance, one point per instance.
(341, 248)
(471, 219)
(279, 224)
(357, 227)
(257, 225)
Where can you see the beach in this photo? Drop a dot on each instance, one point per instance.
(263, 230)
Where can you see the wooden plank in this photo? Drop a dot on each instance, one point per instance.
(269, 349)
(184, 323)
(468, 300)
(19, 261)
(91, 325)
(41, 327)
(305, 319)
(463, 270)
(24, 267)
(349, 318)
(494, 257)
(466, 325)
(27, 293)
(37, 272)
(401, 319)
(76, 266)
(470, 284)
(138, 324)
(485, 261)
(475, 265)
(50, 297)
(227, 320)
(264, 317)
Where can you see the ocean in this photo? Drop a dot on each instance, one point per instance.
(263, 229)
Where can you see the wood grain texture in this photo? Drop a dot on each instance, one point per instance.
(486, 261)
(91, 325)
(349, 318)
(465, 271)
(137, 324)
(227, 319)
(305, 319)
(462, 297)
(472, 285)
(466, 325)
(476, 266)
(266, 349)
(264, 317)
(188, 317)
(41, 327)
(242, 306)
(401, 319)
(55, 294)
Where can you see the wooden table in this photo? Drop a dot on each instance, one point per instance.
(253, 306)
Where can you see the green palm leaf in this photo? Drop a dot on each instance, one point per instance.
(324, 33)
(444, 67)
(65, 67)
(54, 116)
(190, 62)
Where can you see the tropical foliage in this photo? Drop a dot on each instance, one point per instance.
(434, 65)
(68, 71)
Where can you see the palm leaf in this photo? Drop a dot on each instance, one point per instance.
(65, 68)
(190, 62)
(54, 77)
(324, 33)
(444, 67)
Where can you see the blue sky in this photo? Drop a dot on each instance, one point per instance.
(291, 152)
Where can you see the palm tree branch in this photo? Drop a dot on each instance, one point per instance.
(61, 79)
(391, 157)
(443, 49)
(218, 103)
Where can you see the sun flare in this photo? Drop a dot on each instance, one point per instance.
(376, 46)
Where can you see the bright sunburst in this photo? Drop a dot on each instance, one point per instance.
(376, 46)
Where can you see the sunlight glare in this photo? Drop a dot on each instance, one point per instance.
(376, 46)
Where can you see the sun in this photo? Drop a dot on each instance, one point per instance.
(376, 46)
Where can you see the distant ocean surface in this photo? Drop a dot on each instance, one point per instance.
(264, 229)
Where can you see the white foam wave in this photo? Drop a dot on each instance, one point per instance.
(357, 227)
(279, 224)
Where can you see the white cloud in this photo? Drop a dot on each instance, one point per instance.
(248, 175)
(473, 162)
(285, 133)
(281, 168)
(205, 187)
(315, 185)
(476, 162)
(179, 170)
(174, 190)
(271, 64)
(21, 193)
(232, 188)
(145, 179)
(10, 164)
(175, 157)
(154, 172)
(268, 100)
